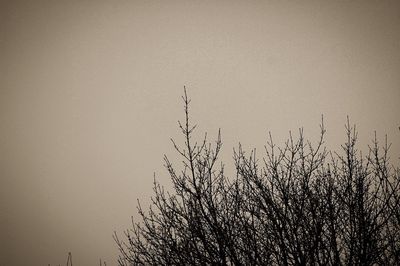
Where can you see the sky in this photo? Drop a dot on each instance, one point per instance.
(90, 95)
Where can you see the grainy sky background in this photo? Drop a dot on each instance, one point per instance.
(90, 95)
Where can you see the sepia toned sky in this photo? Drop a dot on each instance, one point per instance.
(90, 97)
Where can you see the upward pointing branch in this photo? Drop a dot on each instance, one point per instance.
(187, 133)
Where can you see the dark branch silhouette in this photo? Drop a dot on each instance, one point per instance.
(298, 205)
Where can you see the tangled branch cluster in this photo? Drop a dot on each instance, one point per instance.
(299, 205)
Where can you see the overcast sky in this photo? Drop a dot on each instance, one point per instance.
(90, 97)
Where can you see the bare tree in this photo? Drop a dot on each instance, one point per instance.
(299, 205)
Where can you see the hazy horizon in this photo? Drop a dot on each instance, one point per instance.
(90, 95)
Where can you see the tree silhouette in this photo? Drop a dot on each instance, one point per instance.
(299, 205)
